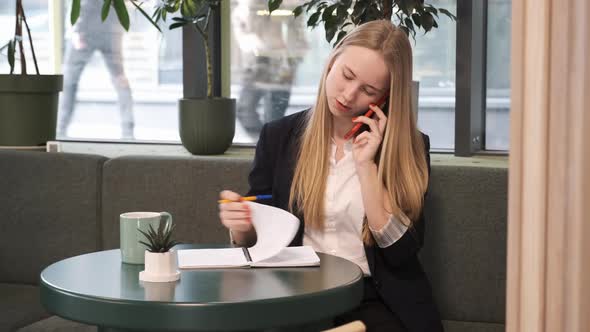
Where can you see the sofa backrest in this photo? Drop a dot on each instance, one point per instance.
(60, 205)
(464, 252)
(186, 187)
(49, 210)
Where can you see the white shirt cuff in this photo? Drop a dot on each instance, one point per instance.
(392, 231)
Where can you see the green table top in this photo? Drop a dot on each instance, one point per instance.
(98, 289)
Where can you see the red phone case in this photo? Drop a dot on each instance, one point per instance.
(369, 113)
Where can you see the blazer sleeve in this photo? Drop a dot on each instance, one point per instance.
(413, 239)
(261, 174)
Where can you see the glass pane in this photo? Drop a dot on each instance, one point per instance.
(498, 75)
(276, 67)
(434, 69)
(119, 84)
(36, 12)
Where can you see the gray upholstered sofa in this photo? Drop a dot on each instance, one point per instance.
(58, 205)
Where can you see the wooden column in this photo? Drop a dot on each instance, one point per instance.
(548, 286)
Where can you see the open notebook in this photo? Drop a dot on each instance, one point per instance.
(275, 229)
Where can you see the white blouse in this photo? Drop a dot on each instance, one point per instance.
(344, 211)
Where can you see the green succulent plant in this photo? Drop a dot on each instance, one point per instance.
(160, 240)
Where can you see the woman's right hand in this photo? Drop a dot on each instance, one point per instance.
(236, 217)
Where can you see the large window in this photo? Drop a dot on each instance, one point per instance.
(116, 81)
(277, 63)
(498, 75)
(117, 84)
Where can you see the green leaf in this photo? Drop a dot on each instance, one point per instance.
(106, 6)
(408, 23)
(432, 10)
(75, 12)
(359, 8)
(331, 29)
(122, 13)
(327, 15)
(311, 4)
(161, 224)
(188, 8)
(448, 13)
(416, 19)
(176, 25)
(146, 15)
(298, 10)
(341, 14)
(147, 245)
(339, 37)
(274, 4)
(427, 21)
(313, 19)
(11, 51)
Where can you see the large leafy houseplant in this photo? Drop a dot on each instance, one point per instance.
(28, 114)
(340, 16)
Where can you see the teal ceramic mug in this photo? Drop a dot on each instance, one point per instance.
(130, 223)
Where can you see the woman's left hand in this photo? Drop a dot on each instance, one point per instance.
(365, 145)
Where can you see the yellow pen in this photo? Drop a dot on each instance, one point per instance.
(246, 198)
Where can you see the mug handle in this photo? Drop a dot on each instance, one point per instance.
(168, 219)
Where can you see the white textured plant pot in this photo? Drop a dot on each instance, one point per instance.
(159, 291)
(160, 267)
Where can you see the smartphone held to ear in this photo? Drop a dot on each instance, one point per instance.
(356, 129)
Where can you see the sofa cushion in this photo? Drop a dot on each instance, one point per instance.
(455, 326)
(19, 306)
(464, 253)
(58, 324)
(50, 206)
(187, 187)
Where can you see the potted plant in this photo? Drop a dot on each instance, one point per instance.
(207, 125)
(28, 114)
(160, 258)
(338, 17)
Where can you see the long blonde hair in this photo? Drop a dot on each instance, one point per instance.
(401, 159)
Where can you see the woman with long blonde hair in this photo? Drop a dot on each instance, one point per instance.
(360, 198)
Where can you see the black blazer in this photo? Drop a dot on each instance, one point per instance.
(397, 274)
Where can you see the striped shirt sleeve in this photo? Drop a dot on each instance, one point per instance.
(392, 231)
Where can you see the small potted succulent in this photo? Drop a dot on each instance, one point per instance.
(160, 258)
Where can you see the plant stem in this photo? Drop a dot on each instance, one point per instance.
(205, 35)
(387, 9)
(30, 40)
(208, 58)
(19, 33)
(209, 71)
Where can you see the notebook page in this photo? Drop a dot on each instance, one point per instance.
(211, 258)
(291, 256)
(275, 229)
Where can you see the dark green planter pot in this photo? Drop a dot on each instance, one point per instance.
(28, 109)
(207, 126)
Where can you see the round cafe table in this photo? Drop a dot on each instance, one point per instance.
(98, 289)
